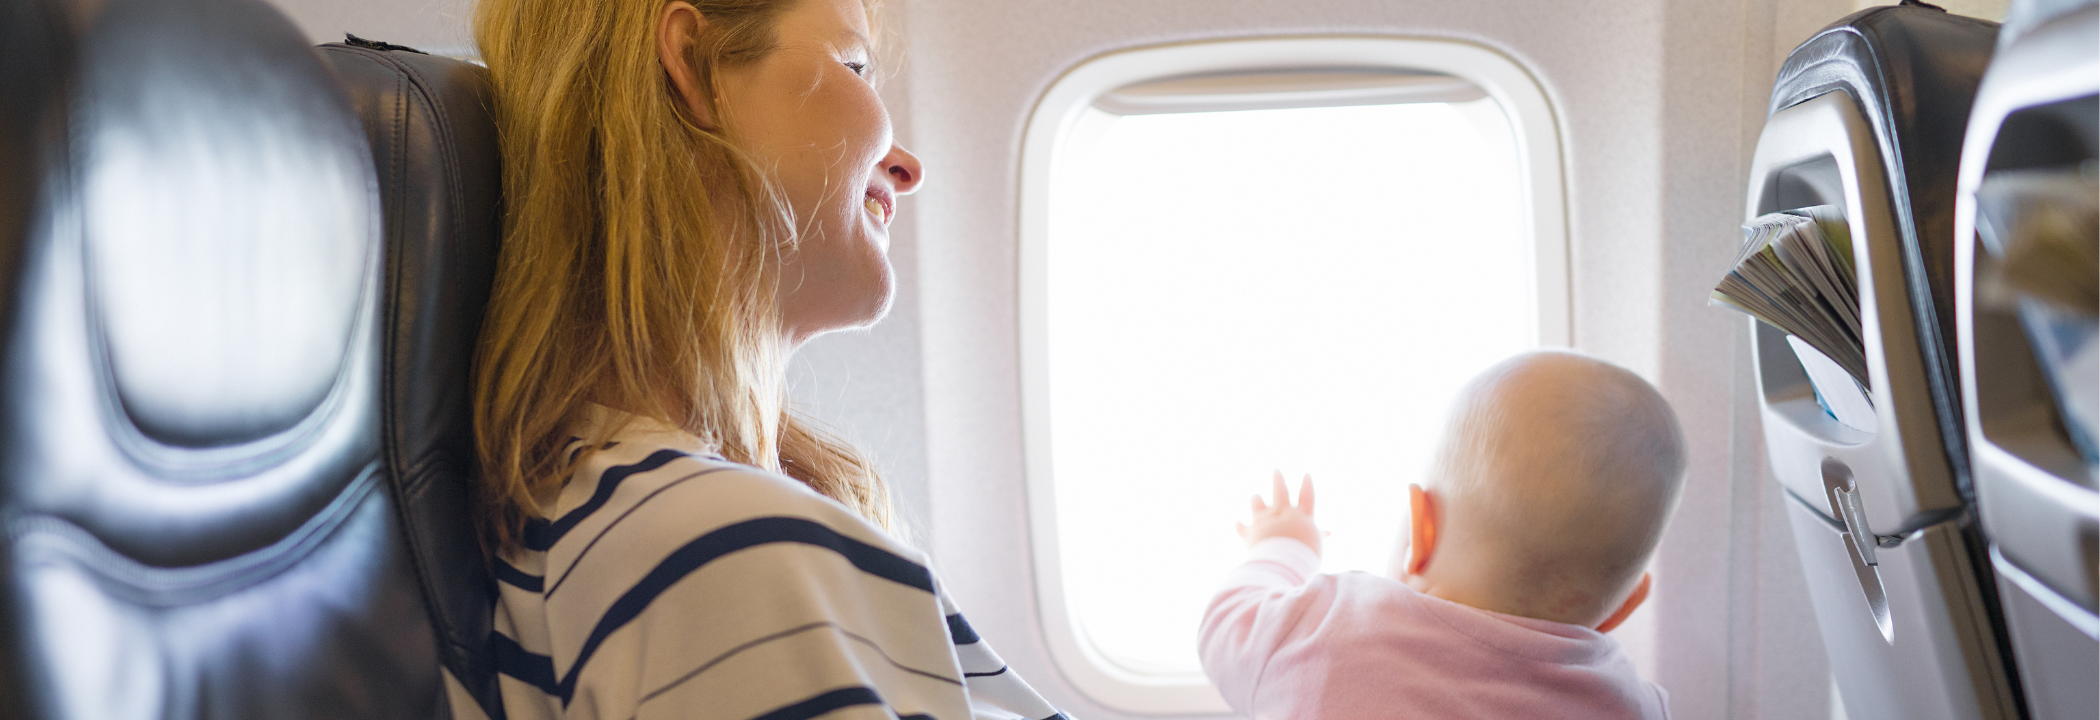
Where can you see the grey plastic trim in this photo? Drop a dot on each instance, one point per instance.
(1822, 152)
(2072, 614)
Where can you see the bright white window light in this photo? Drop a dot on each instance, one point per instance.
(1233, 292)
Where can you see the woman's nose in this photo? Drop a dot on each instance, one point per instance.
(904, 170)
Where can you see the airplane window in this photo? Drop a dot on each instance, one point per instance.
(1231, 292)
(1229, 273)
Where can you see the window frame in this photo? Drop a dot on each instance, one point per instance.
(1534, 126)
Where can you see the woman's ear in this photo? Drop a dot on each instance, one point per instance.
(678, 30)
(1633, 602)
(1421, 528)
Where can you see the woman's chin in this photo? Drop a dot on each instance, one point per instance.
(879, 304)
(845, 311)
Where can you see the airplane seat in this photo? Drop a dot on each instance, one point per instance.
(433, 142)
(1868, 116)
(2028, 363)
(234, 345)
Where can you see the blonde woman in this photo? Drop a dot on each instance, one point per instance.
(695, 188)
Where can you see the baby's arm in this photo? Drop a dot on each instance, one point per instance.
(1264, 600)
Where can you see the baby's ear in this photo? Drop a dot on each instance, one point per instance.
(1633, 602)
(1421, 528)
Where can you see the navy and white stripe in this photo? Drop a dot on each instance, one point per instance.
(670, 583)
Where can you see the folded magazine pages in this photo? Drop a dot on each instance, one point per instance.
(1795, 272)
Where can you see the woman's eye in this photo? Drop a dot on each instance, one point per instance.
(858, 68)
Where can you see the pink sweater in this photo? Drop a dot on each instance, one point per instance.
(1283, 642)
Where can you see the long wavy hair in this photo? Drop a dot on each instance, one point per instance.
(640, 257)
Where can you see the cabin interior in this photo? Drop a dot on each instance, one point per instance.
(1166, 246)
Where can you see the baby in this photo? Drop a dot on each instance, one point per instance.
(1526, 544)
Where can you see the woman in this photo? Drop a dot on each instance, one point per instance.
(694, 188)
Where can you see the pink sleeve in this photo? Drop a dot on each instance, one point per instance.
(1264, 602)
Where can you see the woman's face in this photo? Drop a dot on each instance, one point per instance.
(808, 114)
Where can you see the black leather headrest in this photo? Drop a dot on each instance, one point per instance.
(223, 205)
(433, 141)
(193, 475)
(226, 307)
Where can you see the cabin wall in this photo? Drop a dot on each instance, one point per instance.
(1736, 636)
(434, 26)
(1659, 106)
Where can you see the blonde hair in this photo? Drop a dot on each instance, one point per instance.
(640, 257)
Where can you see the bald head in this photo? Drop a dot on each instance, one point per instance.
(1554, 480)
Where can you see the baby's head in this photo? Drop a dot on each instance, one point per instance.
(1549, 491)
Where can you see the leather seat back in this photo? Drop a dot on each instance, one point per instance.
(232, 437)
(433, 141)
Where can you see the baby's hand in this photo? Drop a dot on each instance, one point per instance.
(1278, 518)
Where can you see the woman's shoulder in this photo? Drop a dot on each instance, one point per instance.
(660, 465)
(669, 489)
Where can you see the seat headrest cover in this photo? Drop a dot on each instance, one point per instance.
(226, 248)
(194, 373)
(197, 513)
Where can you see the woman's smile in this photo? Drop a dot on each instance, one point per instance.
(880, 206)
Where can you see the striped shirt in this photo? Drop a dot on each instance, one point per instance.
(670, 583)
